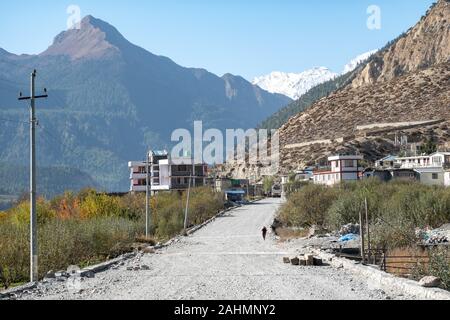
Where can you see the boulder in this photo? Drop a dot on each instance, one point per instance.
(430, 282)
(276, 224)
(302, 262)
(317, 232)
(312, 232)
(87, 274)
(309, 259)
(286, 260)
(64, 274)
(317, 262)
(50, 275)
(73, 269)
(149, 250)
(295, 261)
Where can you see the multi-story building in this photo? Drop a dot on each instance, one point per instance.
(386, 162)
(166, 173)
(341, 168)
(433, 169)
(428, 169)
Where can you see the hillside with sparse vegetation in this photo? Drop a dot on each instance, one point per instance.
(406, 81)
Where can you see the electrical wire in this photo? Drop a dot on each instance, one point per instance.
(14, 121)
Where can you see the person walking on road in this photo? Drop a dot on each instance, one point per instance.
(264, 233)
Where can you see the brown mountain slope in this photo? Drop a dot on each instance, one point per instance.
(424, 95)
(424, 45)
(402, 90)
(366, 119)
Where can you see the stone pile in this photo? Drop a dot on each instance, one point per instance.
(304, 260)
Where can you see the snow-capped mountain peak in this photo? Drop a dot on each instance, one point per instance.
(294, 85)
(355, 62)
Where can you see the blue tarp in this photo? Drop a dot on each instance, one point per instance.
(235, 192)
(348, 237)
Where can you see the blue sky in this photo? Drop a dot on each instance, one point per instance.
(244, 37)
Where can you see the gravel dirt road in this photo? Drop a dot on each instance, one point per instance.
(227, 259)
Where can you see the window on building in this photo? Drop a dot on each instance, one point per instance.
(435, 176)
(437, 160)
(349, 163)
(139, 170)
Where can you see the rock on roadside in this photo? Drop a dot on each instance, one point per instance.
(430, 282)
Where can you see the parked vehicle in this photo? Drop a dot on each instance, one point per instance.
(276, 191)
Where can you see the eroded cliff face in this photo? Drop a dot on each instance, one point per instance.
(398, 91)
(367, 119)
(403, 90)
(424, 45)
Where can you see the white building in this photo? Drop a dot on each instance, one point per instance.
(342, 168)
(447, 179)
(432, 169)
(386, 162)
(432, 176)
(166, 173)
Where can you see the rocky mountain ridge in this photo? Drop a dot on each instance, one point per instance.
(408, 81)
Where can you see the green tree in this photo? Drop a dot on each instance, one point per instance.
(268, 184)
(429, 147)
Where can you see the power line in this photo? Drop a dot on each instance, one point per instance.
(14, 121)
(59, 142)
(54, 93)
(21, 84)
(22, 66)
(50, 143)
(47, 132)
(13, 82)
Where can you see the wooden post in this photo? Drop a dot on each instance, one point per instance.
(368, 230)
(361, 233)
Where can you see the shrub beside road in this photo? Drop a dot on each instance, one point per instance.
(88, 227)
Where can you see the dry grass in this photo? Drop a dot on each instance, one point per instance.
(63, 243)
(286, 234)
(396, 209)
(88, 228)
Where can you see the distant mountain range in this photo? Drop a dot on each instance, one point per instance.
(401, 90)
(51, 181)
(294, 85)
(110, 100)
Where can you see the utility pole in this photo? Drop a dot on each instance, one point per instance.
(147, 196)
(187, 205)
(248, 190)
(34, 276)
